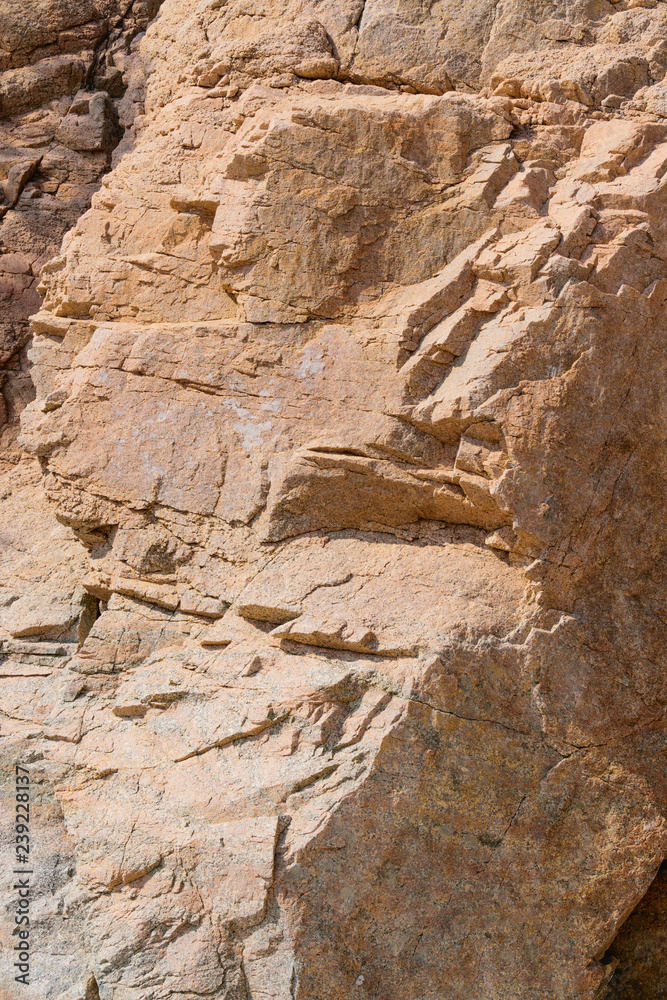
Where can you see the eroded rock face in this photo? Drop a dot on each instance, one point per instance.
(333, 608)
(70, 78)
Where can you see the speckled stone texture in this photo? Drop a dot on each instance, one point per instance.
(334, 594)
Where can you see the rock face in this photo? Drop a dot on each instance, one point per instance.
(334, 603)
(59, 72)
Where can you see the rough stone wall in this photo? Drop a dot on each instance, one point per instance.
(68, 72)
(334, 595)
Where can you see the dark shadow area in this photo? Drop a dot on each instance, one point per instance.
(90, 612)
(92, 990)
(640, 948)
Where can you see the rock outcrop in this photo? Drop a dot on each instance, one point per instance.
(70, 81)
(334, 604)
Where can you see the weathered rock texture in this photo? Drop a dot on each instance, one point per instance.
(334, 604)
(62, 64)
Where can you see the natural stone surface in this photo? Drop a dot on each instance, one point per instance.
(333, 603)
(56, 142)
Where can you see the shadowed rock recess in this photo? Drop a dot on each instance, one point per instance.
(333, 602)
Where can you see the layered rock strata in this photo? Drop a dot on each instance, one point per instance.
(333, 611)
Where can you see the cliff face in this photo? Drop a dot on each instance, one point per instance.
(334, 597)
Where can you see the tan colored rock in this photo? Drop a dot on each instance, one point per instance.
(332, 606)
(55, 144)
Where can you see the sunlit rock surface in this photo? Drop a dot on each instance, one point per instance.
(333, 606)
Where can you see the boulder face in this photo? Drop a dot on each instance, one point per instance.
(334, 549)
